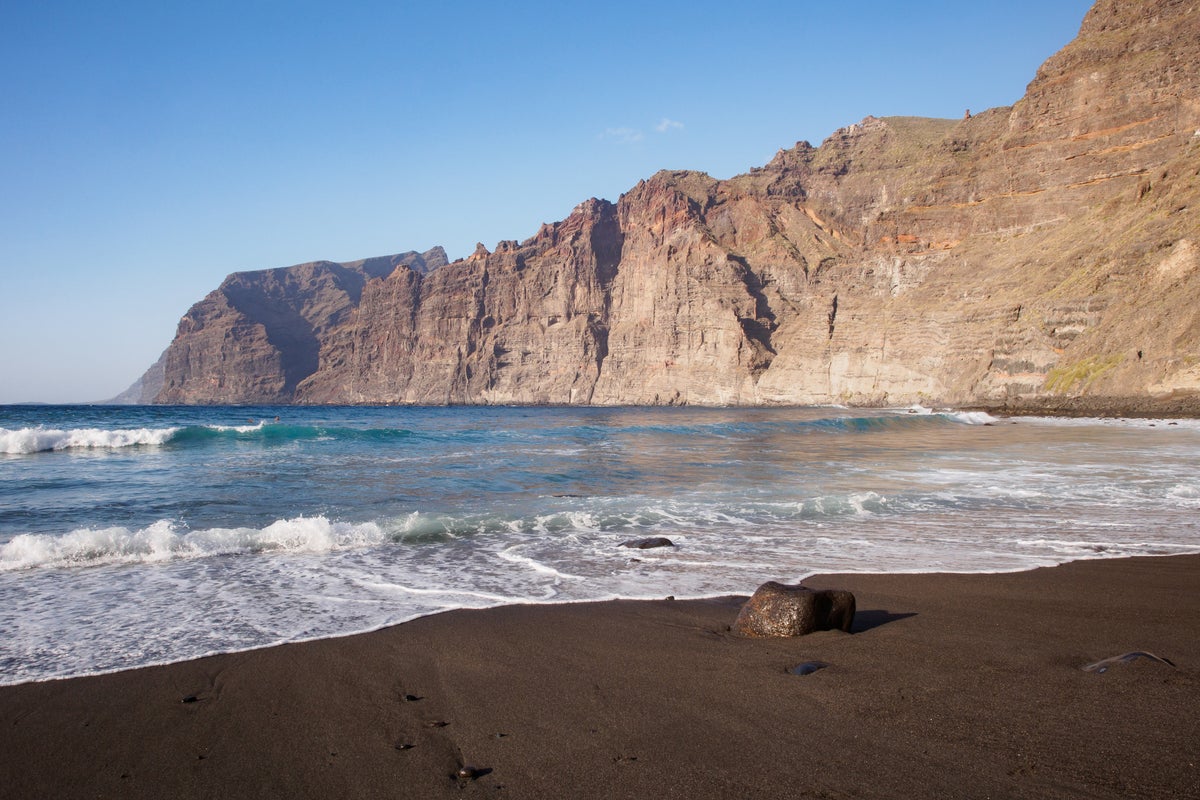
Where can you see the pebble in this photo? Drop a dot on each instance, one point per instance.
(807, 668)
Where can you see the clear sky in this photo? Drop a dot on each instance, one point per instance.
(148, 149)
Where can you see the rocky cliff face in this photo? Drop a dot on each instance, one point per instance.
(258, 335)
(1043, 256)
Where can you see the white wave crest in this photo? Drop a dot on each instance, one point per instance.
(967, 417)
(1186, 495)
(973, 417)
(250, 428)
(162, 542)
(22, 441)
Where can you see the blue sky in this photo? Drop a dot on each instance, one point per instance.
(149, 149)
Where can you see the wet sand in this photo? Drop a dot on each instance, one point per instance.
(949, 686)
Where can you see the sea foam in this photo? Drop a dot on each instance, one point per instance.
(966, 417)
(163, 541)
(22, 441)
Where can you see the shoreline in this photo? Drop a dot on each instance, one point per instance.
(952, 684)
(815, 577)
(1183, 406)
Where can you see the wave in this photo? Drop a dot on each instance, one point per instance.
(965, 417)
(163, 541)
(22, 441)
(166, 540)
(1185, 495)
(40, 439)
(277, 433)
(588, 522)
(885, 420)
(916, 416)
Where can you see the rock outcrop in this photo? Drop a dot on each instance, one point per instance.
(1039, 257)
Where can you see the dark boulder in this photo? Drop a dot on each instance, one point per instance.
(777, 609)
(646, 544)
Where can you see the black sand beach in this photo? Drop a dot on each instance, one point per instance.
(949, 686)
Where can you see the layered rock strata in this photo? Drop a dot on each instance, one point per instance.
(1044, 256)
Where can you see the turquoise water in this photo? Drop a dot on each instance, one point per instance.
(139, 535)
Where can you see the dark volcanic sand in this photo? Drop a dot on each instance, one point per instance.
(950, 686)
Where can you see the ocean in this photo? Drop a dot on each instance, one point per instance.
(132, 536)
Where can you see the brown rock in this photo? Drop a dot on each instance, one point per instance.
(779, 610)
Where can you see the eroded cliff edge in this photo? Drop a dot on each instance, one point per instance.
(1044, 256)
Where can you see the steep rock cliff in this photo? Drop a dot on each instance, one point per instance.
(525, 323)
(1042, 256)
(254, 338)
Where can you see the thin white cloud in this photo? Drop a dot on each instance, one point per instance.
(666, 125)
(623, 135)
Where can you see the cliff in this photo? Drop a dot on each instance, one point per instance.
(1038, 257)
(259, 334)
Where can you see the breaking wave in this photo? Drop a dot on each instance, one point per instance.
(24, 441)
(966, 417)
(163, 542)
(41, 440)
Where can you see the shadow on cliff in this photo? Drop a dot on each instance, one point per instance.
(295, 309)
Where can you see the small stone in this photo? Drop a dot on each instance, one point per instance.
(807, 668)
(646, 544)
(469, 773)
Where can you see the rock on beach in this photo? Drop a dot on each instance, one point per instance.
(779, 610)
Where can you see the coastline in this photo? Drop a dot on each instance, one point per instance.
(1177, 405)
(966, 685)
